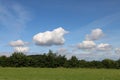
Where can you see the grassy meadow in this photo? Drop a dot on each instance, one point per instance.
(58, 74)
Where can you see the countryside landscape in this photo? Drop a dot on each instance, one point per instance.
(59, 40)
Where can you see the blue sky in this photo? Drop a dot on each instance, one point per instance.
(23, 19)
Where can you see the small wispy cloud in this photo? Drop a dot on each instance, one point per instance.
(14, 17)
(104, 47)
(104, 21)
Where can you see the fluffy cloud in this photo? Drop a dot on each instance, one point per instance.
(21, 49)
(19, 46)
(117, 50)
(18, 43)
(87, 45)
(95, 34)
(49, 38)
(104, 47)
(95, 51)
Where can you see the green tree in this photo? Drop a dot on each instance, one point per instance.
(51, 59)
(60, 61)
(108, 63)
(118, 64)
(18, 59)
(73, 62)
(4, 61)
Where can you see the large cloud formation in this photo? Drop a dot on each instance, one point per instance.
(49, 38)
(87, 45)
(95, 34)
(90, 45)
(19, 46)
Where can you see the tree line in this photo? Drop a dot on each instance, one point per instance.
(52, 60)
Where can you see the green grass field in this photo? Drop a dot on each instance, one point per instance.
(58, 74)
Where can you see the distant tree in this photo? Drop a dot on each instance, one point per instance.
(108, 63)
(18, 59)
(118, 64)
(73, 62)
(60, 61)
(95, 64)
(82, 63)
(4, 61)
(51, 59)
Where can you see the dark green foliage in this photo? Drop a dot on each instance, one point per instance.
(73, 62)
(53, 60)
(108, 63)
(118, 64)
(18, 60)
(4, 61)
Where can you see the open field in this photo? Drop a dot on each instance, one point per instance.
(58, 74)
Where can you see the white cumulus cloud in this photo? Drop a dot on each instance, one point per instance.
(95, 34)
(18, 43)
(104, 47)
(87, 45)
(49, 38)
(19, 46)
(21, 49)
